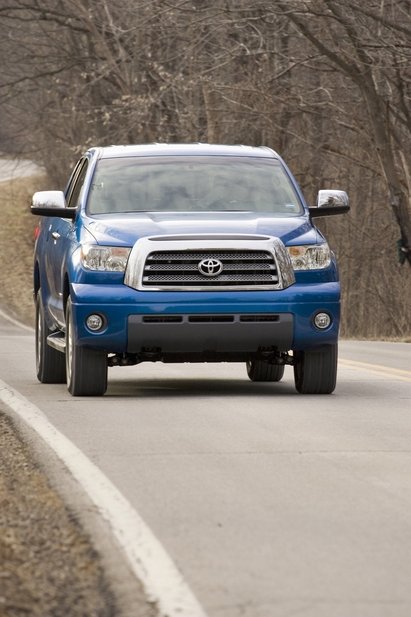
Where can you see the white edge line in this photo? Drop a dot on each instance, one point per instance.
(163, 582)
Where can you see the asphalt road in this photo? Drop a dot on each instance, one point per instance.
(271, 503)
(10, 169)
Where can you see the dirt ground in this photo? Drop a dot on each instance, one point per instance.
(47, 565)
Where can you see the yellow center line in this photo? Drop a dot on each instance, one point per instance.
(385, 371)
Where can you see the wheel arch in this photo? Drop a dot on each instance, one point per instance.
(66, 291)
(36, 279)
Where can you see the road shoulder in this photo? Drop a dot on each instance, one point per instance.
(55, 560)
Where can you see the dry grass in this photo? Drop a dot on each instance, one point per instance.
(17, 227)
(47, 565)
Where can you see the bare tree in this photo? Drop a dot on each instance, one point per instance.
(368, 43)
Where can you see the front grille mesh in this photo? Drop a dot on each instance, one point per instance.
(179, 269)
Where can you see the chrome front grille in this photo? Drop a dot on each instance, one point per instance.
(204, 262)
(239, 268)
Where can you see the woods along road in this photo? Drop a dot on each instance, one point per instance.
(237, 498)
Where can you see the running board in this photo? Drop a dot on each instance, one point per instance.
(57, 340)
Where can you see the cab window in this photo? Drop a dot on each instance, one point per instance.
(76, 184)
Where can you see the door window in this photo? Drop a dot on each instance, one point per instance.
(76, 185)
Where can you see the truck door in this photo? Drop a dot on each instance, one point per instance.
(62, 239)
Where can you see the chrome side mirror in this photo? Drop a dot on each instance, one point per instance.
(48, 199)
(51, 203)
(330, 202)
(332, 198)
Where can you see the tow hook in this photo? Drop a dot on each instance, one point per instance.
(284, 357)
(123, 359)
(273, 356)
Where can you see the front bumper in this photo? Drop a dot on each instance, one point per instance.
(198, 321)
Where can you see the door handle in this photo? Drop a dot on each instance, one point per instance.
(55, 235)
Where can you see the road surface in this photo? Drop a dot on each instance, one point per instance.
(270, 503)
(10, 169)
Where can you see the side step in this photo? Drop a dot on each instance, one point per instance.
(57, 340)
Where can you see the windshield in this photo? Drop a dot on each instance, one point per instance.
(197, 183)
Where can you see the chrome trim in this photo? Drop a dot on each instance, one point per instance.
(48, 199)
(210, 267)
(57, 340)
(187, 243)
(333, 198)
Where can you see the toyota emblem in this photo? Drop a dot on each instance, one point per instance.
(210, 267)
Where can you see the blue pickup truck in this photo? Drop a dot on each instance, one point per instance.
(184, 253)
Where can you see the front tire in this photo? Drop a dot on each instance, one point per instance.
(50, 363)
(257, 370)
(315, 371)
(86, 368)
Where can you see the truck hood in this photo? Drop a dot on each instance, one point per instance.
(126, 229)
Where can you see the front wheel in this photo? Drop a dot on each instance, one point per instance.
(257, 370)
(315, 371)
(50, 364)
(86, 368)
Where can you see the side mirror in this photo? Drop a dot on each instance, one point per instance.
(330, 202)
(51, 203)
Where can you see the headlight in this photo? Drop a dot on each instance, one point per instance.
(310, 256)
(106, 258)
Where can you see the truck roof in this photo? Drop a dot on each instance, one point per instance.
(192, 149)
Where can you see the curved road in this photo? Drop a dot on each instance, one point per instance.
(270, 503)
(10, 169)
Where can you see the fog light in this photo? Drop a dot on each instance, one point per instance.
(322, 321)
(94, 322)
